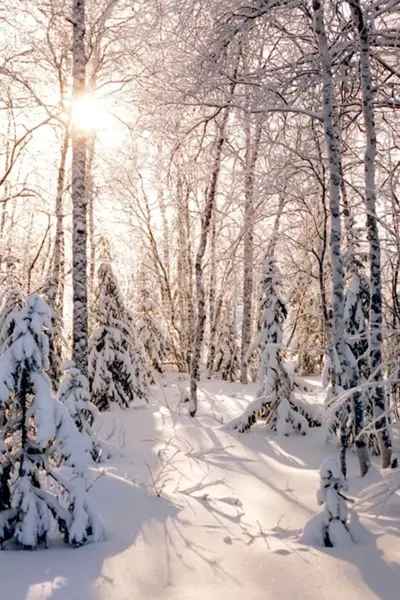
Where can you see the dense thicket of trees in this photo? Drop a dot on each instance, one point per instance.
(199, 138)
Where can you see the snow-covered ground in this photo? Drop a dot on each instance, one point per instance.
(225, 523)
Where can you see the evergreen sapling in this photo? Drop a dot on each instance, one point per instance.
(13, 302)
(331, 496)
(74, 394)
(38, 435)
(275, 401)
(227, 352)
(149, 327)
(117, 365)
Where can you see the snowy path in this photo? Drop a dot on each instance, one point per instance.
(233, 540)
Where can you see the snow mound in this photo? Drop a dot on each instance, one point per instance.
(356, 534)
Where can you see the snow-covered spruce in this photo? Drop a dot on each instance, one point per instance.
(275, 402)
(350, 418)
(307, 325)
(117, 365)
(37, 436)
(55, 335)
(149, 326)
(12, 303)
(331, 527)
(227, 350)
(74, 394)
(357, 302)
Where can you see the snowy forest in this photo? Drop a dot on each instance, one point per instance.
(199, 299)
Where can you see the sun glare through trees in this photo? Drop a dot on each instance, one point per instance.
(199, 299)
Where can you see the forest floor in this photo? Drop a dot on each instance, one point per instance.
(194, 512)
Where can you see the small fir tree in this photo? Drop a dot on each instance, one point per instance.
(275, 401)
(74, 394)
(356, 319)
(54, 333)
(335, 528)
(117, 365)
(227, 353)
(13, 301)
(307, 328)
(352, 416)
(149, 326)
(37, 435)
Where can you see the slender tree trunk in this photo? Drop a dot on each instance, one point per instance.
(184, 276)
(341, 370)
(201, 303)
(211, 297)
(79, 200)
(375, 313)
(252, 149)
(91, 142)
(190, 291)
(163, 210)
(56, 294)
(275, 229)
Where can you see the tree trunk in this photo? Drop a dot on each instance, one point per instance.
(79, 200)
(90, 200)
(201, 303)
(56, 295)
(211, 298)
(342, 373)
(184, 275)
(248, 242)
(375, 312)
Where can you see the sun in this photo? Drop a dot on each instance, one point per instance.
(91, 114)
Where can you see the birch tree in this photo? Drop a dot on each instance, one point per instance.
(342, 372)
(375, 312)
(79, 200)
(252, 149)
(201, 301)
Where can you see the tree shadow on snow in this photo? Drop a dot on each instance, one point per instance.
(381, 576)
(301, 452)
(64, 573)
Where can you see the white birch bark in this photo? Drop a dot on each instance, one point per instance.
(56, 291)
(182, 277)
(375, 313)
(212, 312)
(341, 369)
(91, 142)
(252, 149)
(79, 200)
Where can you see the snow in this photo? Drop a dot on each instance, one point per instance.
(226, 523)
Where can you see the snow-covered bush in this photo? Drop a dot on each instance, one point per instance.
(330, 495)
(37, 436)
(117, 365)
(74, 394)
(331, 527)
(275, 402)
